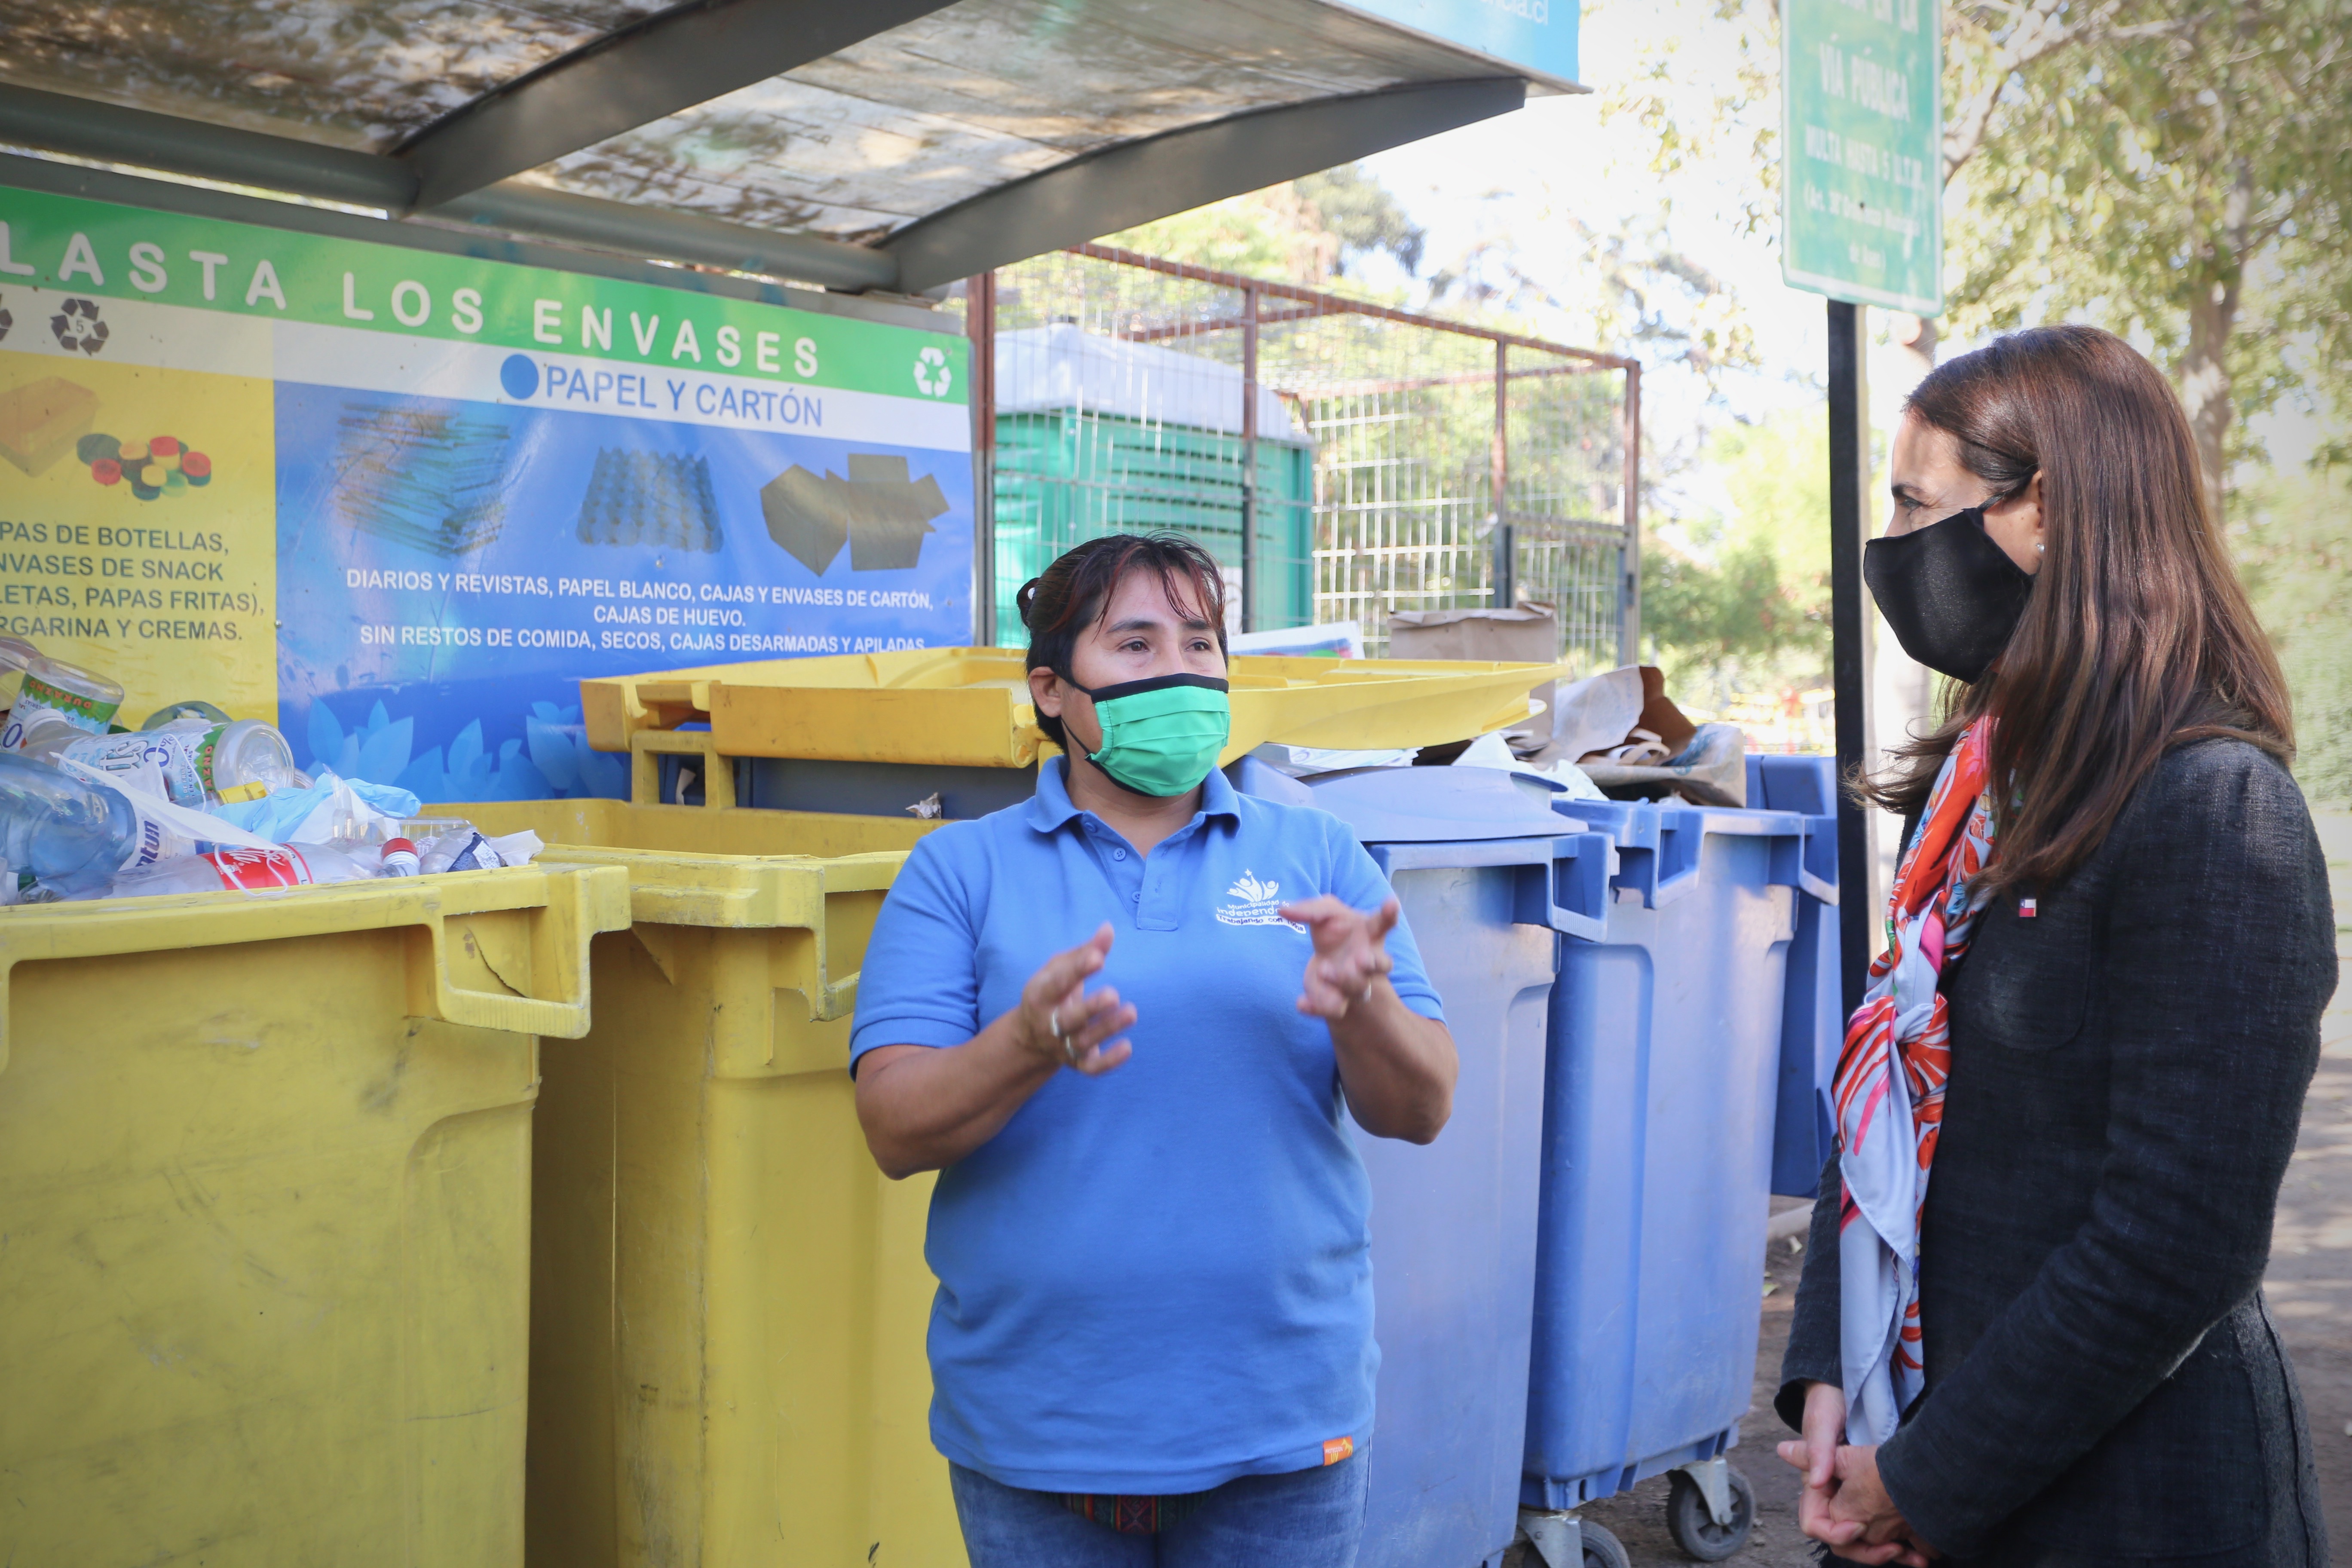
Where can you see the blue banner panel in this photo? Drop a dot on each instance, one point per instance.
(448, 571)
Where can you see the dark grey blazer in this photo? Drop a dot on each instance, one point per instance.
(2104, 1384)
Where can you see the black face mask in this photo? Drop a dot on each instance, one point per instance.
(1950, 592)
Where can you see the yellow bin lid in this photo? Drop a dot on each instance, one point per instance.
(970, 706)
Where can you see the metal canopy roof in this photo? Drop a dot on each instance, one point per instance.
(893, 144)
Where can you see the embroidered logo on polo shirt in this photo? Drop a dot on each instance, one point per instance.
(1255, 903)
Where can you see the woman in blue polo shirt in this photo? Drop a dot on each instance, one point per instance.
(1152, 1341)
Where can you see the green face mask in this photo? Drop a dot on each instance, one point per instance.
(1161, 736)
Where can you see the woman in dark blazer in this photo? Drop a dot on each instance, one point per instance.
(2031, 1330)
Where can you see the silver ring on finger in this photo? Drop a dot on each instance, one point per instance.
(1070, 1046)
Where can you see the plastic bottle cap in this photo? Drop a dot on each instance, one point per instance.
(399, 859)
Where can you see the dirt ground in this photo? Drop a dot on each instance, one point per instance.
(2309, 1284)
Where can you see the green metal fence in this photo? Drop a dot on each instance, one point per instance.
(1062, 476)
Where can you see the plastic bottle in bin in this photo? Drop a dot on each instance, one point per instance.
(82, 698)
(198, 762)
(237, 870)
(72, 837)
(17, 655)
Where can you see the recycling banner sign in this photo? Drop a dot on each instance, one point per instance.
(400, 503)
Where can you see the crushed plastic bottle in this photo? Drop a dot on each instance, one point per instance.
(82, 698)
(245, 871)
(462, 851)
(452, 843)
(74, 837)
(174, 712)
(45, 735)
(198, 762)
(17, 655)
(249, 759)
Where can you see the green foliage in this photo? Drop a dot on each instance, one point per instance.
(1364, 215)
(2294, 547)
(1309, 232)
(1741, 603)
(1252, 235)
(1629, 289)
(2180, 175)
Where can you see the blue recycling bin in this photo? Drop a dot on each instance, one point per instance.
(1661, 1099)
(1812, 1016)
(1488, 878)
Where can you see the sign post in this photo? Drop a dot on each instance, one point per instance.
(1861, 221)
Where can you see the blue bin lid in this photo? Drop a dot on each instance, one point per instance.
(1438, 804)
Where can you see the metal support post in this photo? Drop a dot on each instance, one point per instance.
(1250, 565)
(1849, 476)
(1629, 587)
(1557, 1539)
(1714, 1478)
(1498, 469)
(980, 322)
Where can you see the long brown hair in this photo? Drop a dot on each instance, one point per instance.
(2137, 637)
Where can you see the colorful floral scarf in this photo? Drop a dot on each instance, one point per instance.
(1888, 1120)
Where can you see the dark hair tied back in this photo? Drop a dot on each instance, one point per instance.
(1074, 593)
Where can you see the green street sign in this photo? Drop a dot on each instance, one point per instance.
(1862, 163)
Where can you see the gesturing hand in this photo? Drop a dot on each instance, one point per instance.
(1060, 1022)
(1348, 959)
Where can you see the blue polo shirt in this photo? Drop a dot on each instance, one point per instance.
(1160, 1280)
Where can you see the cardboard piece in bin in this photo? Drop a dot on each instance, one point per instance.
(1522, 634)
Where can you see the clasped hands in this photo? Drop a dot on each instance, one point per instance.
(1843, 1503)
(1060, 1020)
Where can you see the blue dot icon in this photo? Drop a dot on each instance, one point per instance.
(519, 376)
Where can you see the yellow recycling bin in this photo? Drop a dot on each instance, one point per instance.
(264, 1182)
(970, 708)
(728, 1298)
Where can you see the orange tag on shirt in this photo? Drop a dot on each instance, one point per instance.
(1338, 1448)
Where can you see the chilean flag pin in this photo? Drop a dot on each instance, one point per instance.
(2027, 908)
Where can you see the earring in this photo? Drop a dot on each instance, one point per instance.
(2037, 547)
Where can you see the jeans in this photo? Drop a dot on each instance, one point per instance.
(1307, 1519)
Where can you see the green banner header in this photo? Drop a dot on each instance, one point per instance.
(105, 250)
(1862, 158)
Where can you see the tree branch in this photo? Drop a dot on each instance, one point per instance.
(2034, 33)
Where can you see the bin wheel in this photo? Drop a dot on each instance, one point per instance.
(1603, 1549)
(1694, 1529)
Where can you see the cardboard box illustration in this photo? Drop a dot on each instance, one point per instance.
(881, 514)
(41, 420)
